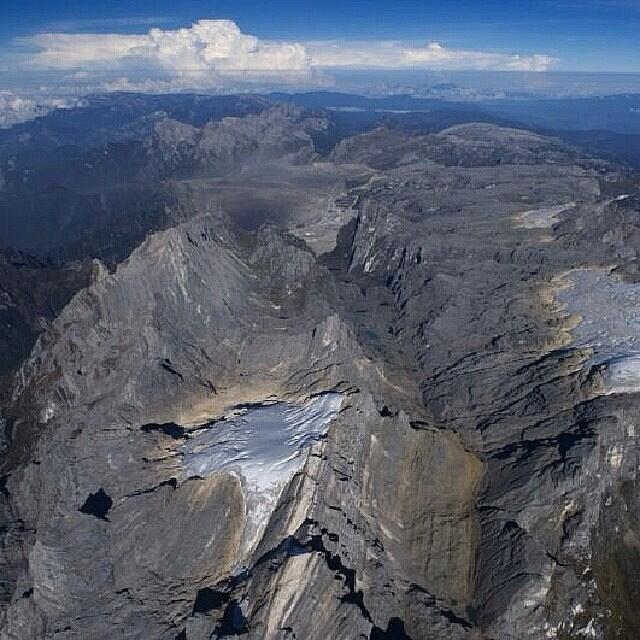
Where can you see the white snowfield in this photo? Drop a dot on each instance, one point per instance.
(609, 309)
(265, 446)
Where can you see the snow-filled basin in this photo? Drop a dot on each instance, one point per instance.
(265, 445)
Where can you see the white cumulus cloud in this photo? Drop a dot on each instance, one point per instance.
(217, 54)
(208, 51)
(399, 55)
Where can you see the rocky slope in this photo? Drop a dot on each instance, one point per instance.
(424, 427)
(177, 148)
(125, 183)
(32, 293)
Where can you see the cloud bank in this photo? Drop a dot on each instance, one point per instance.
(398, 56)
(216, 53)
(206, 53)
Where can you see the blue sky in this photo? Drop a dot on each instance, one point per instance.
(599, 35)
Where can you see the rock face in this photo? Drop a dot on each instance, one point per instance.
(32, 293)
(178, 148)
(424, 428)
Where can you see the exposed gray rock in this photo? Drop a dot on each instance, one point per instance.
(32, 293)
(478, 478)
(221, 146)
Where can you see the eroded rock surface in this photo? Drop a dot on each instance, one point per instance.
(445, 416)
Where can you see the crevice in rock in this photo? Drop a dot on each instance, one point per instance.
(334, 562)
(452, 617)
(395, 631)
(171, 429)
(172, 482)
(3, 485)
(385, 412)
(443, 611)
(97, 504)
(557, 560)
(208, 599)
(165, 363)
(233, 622)
(564, 442)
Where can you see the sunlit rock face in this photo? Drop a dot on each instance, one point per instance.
(622, 374)
(541, 218)
(264, 445)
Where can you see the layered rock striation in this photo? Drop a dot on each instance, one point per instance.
(423, 427)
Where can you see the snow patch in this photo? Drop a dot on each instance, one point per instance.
(609, 309)
(264, 445)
